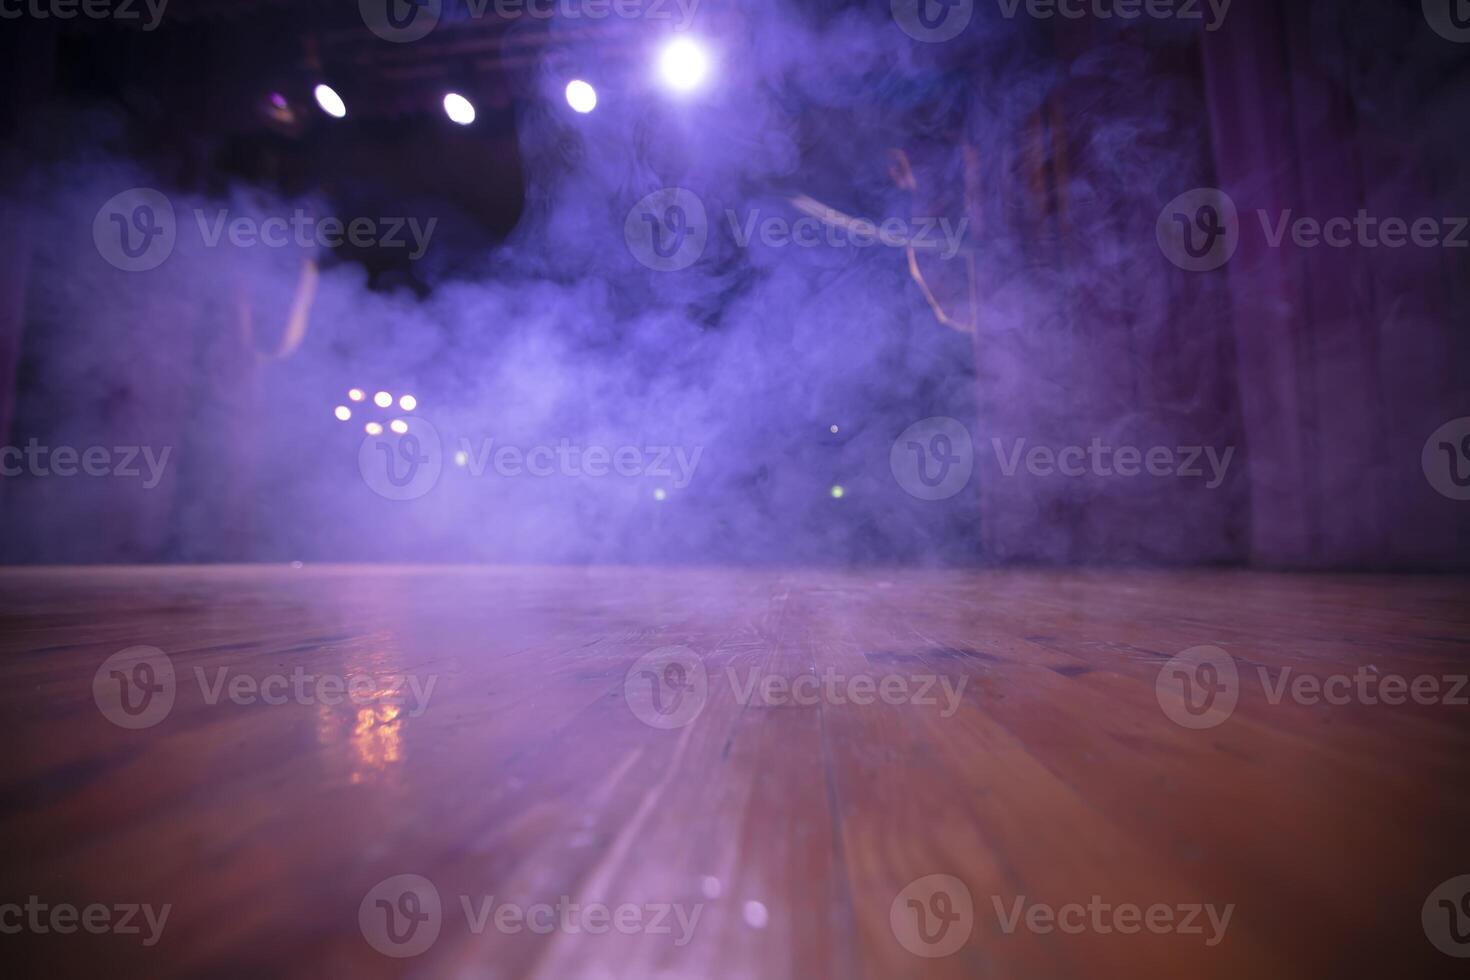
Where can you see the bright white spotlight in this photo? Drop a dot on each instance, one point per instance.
(683, 64)
(373, 429)
(408, 403)
(356, 394)
(382, 399)
(330, 101)
(459, 109)
(581, 96)
(399, 426)
(343, 413)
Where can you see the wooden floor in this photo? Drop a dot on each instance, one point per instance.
(746, 836)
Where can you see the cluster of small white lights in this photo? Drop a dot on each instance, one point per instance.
(330, 101)
(382, 399)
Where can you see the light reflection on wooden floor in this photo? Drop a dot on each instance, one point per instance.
(504, 738)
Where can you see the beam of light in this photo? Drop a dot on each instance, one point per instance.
(330, 101)
(398, 426)
(683, 64)
(408, 403)
(373, 429)
(343, 413)
(383, 400)
(581, 96)
(459, 109)
(356, 394)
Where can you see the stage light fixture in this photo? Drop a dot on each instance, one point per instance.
(398, 426)
(356, 394)
(683, 64)
(343, 413)
(581, 96)
(383, 400)
(459, 109)
(330, 101)
(408, 403)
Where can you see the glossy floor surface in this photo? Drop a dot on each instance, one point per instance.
(562, 773)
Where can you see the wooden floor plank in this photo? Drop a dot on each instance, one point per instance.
(548, 762)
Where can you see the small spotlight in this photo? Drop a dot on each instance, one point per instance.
(461, 458)
(382, 399)
(683, 64)
(330, 101)
(356, 395)
(459, 109)
(660, 494)
(835, 430)
(838, 493)
(343, 413)
(581, 96)
(408, 403)
(373, 429)
(399, 426)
